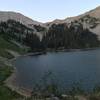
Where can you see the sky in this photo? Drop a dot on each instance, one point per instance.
(48, 10)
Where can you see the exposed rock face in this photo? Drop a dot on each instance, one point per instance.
(95, 12)
(90, 20)
(4, 16)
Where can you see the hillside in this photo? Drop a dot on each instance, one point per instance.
(90, 20)
(6, 69)
(4, 16)
(18, 17)
(40, 28)
(77, 34)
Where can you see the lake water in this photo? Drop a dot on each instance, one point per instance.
(67, 68)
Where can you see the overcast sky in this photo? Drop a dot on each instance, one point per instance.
(48, 10)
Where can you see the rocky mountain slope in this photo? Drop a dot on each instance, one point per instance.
(5, 16)
(90, 20)
(19, 25)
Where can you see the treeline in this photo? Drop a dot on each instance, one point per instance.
(69, 37)
(62, 36)
(59, 36)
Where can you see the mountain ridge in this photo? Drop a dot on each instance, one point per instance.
(93, 13)
(90, 19)
(6, 15)
(90, 16)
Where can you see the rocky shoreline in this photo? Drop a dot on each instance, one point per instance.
(10, 82)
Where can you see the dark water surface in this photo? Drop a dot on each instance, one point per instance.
(67, 68)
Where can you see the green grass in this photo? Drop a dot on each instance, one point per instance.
(6, 93)
(5, 72)
(4, 45)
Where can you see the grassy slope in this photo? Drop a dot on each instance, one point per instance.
(4, 45)
(6, 71)
(6, 93)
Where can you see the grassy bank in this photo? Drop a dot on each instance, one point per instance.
(5, 92)
(6, 70)
(7, 45)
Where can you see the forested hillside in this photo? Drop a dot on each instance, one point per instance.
(58, 36)
(70, 37)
